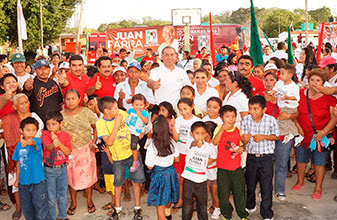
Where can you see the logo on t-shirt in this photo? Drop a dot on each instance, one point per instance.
(45, 93)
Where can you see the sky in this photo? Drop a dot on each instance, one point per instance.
(97, 12)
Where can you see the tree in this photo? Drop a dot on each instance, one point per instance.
(56, 13)
(320, 15)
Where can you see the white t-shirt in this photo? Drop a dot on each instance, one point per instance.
(289, 90)
(299, 70)
(201, 100)
(196, 162)
(266, 58)
(213, 82)
(332, 83)
(239, 101)
(171, 84)
(217, 121)
(41, 124)
(183, 128)
(186, 65)
(152, 159)
(175, 45)
(279, 54)
(22, 79)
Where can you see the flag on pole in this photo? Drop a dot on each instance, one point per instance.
(21, 19)
(290, 48)
(320, 42)
(212, 40)
(271, 46)
(255, 43)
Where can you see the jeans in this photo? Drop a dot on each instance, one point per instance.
(57, 186)
(199, 191)
(34, 201)
(260, 169)
(282, 153)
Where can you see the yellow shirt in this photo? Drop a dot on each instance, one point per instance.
(121, 148)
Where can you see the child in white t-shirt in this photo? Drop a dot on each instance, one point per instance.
(199, 155)
(213, 107)
(160, 156)
(288, 97)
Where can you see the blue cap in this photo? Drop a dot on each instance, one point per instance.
(135, 64)
(41, 63)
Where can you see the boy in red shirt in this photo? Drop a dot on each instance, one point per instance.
(56, 149)
(230, 175)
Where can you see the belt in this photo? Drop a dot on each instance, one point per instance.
(261, 155)
(58, 166)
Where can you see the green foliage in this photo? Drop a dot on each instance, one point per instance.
(147, 21)
(55, 16)
(320, 15)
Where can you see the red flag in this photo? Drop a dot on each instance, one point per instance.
(320, 42)
(212, 40)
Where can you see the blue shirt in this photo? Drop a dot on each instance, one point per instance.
(30, 163)
(135, 123)
(219, 58)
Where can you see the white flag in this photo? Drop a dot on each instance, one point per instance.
(21, 19)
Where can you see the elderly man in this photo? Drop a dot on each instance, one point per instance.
(168, 35)
(167, 80)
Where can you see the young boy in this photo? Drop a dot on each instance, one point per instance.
(138, 118)
(230, 175)
(29, 172)
(113, 130)
(259, 133)
(199, 155)
(56, 149)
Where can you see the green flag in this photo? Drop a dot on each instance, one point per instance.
(255, 43)
(290, 48)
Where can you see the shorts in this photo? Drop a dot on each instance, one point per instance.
(109, 180)
(134, 141)
(180, 166)
(318, 158)
(119, 170)
(211, 174)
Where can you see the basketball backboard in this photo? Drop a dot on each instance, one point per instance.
(186, 16)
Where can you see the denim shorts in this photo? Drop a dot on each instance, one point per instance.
(119, 171)
(318, 158)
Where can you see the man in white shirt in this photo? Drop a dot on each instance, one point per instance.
(168, 35)
(281, 51)
(266, 53)
(167, 80)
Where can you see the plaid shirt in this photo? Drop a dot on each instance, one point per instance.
(267, 126)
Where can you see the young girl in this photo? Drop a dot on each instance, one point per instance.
(166, 110)
(181, 128)
(189, 92)
(213, 107)
(160, 156)
(258, 71)
(202, 91)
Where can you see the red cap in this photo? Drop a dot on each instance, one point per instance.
(294, 44)
(327, 60)
(245, 47)
(114, 55)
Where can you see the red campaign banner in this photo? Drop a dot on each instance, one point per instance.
(140, 38)
(329, 33)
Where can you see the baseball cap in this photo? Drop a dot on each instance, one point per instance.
(327, 60)
(64, 65)
(270, 66)
(41, 63)
(135, 64)
(18, 57)
(119, 68)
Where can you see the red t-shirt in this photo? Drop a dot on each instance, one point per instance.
(270, 109)
(320, 111)
(7, 109)
(257, 85)
(108, 87)
(81, 85)
(55, 157)
(224, 158)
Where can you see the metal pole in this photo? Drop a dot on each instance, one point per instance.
(306, 23)
(79, 29)
(187, 37)
(41, 24)
(19, 27)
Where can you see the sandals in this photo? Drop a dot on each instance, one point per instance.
(108, 206)
(16, 215)
(99, 189)
(4, 206)
(316, 196)
(294, 169)
(311, 178)
(91, 209)
(297, 188)
(211, 210)
(135, 166)
(175, 209)
(309, 173)
(71, 211)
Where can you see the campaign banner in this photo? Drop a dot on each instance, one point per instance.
(329, 33)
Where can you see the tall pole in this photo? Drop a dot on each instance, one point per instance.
(41, 24)
(306, 23)
(19, 27)
(79, 29)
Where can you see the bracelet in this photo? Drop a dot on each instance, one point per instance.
(324, 131)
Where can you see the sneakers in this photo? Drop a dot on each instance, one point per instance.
(298, 140)
(281, 196)
(216, 213)
(168, 217)
(134, 168)
(114, 215)
(251, 210)
(138, 214)
(287, 138)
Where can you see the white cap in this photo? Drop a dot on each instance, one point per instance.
(270, 66)
(64, 65)
(119, 68)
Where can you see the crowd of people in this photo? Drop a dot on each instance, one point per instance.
(179, 129)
